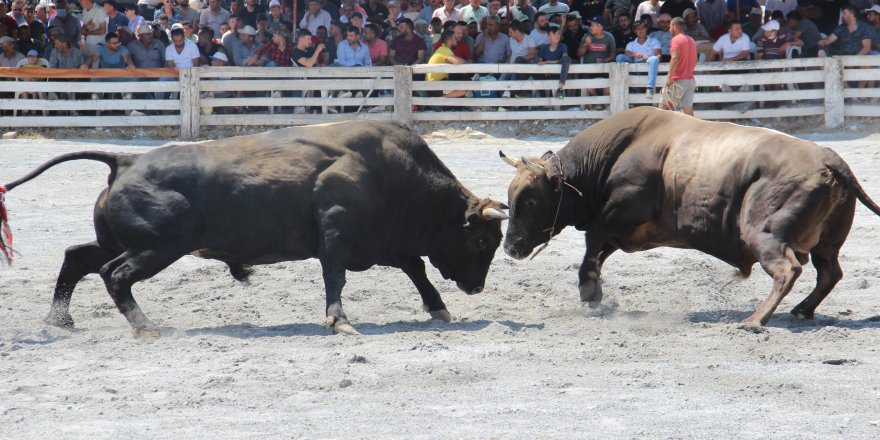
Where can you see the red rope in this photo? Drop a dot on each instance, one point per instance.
(5, 231)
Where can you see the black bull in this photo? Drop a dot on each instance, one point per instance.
(647, 178)
(352, 194)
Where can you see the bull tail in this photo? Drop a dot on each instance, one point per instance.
(111, 159)
(836, 164)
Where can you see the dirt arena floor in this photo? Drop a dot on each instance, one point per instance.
(523, 359)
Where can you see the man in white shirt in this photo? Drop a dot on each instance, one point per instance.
(649, 7)
(315, 17)
(522, 50)
(473, 11)
(732, 46)
(94, 25)
(643, 50)
(181, 53)
(553, 7)
(447, 12)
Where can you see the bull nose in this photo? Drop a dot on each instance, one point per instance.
(476, 290)
(514, 253)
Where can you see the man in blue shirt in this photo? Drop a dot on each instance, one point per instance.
(853, 37)
(351, 52)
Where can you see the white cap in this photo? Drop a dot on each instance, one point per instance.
(220, 56)
(274, 3)
(874, 8)
(771, 25)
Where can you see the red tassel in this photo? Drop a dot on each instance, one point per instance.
(5, 231)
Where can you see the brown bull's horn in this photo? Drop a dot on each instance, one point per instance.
(538, 169)
(494, 213)
(508, 160)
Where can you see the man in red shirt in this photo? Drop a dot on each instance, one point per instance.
(680, 84)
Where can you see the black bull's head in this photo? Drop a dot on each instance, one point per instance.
(534, 198)
(468, 250)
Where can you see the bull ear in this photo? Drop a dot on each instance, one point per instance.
(493, 213)
(470, 220)
(508, 160)
(537, 169)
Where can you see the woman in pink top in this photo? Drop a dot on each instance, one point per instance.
(680, 84)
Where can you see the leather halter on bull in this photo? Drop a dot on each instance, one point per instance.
(558, 175)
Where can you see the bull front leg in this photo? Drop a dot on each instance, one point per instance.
(589, 275)
(414, 268)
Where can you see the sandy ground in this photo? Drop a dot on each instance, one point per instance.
(521, 360)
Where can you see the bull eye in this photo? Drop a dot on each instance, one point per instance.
(482, 244)
(530, 203)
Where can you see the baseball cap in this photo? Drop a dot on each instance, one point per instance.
(771, 25)
(687, 12)
(274, 3)
(144, 29)
(248, 30)
(874, 8)
(4, 39)
(220, 56)
(33, 53)
(600, 20)
(176, 26)
(574, 14)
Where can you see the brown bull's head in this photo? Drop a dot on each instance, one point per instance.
(533, 196)
(469, 246)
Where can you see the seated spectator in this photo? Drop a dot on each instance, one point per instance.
(774, 43)
(623, 33)
(275, 53)
(115, 18)
(423, 31)
(305, 54)
(663, 36)
(474, 11)
(274, 17)
(169, 11)
(376, 11)
(732, 46)
(377, 47)
(134, 20)
(447, 12)
(9, 57)
(189, 14)
(713, 13)
(522, 50)
(539, 31)
(390, 23)
(676, 8)
(554, 7)
(347, 10)
(573, 34)
(598, 46)
(247, 46)
(523, 11)
(408, 48)
(492, 47)
(744, 8)
(643, 49)
(698, 32)
(853, 37)
(214, 16)
(752, 26)
(208, 47)
(805, 30)
(873, 17)
(146, 52)
(786, 6)
(181, 53)
(315, 17)
(555, 53)
(462, 49)
(110, 55)
(69, 25)
(351, 52)
(444, 55)
(25, 42)
(36, 27)
(65, 56)
(32, 61)
(250, 12)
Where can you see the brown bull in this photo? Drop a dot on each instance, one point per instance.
(647, 178)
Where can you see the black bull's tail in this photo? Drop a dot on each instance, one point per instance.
(111, 159)
(836, 164)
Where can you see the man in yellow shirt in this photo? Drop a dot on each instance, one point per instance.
(443, 55)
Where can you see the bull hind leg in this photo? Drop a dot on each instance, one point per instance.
(125, 270)
(828, 273)
(780, 262)
(79, 261)
(333, 251)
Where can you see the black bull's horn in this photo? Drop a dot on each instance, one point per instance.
(508, 160)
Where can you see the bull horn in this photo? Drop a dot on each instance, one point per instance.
(508, 160)
(538, 169)
(493, 213)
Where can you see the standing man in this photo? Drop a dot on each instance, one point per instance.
(94, 25)
(473, 11)
(315, 17)
(680, 83)
(447, 12)
(115, 19)
(214, 16)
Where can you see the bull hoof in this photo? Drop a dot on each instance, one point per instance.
(802, 314)
(148, 334)
(442, 315)
(340, 327)
(591, 293)
(63, 320)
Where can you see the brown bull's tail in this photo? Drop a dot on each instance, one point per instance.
(111, 159)
(836, 164)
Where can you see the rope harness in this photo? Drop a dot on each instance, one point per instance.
(558, 207)
(6, 251)
(670, 94)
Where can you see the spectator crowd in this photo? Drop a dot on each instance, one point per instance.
(134, 34)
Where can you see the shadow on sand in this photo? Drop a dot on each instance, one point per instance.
(787, 321)
(248, 331)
